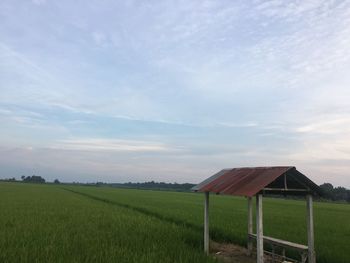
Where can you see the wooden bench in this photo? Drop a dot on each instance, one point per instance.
(274, 242)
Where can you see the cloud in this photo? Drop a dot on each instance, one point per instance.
(93, 144)
(39, 2)
(334, 126)
(99, 38)
(232, 83)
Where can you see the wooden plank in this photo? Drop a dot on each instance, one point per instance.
(286, 190)
(302, 249)
(310, 230)
(259, 230)
(250, 224)
(282, 243)
(206, 222)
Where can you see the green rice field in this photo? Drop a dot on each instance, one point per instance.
(61, 223)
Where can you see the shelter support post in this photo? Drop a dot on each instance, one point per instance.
(310, 230)
(250, 225)
(206, 222)
(259, 230)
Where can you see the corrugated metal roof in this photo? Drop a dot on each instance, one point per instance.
(248, 181)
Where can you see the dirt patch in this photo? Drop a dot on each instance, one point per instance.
(231, 253)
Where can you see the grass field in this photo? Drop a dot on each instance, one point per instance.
(59, 223)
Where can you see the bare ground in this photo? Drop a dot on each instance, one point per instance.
(231, 253)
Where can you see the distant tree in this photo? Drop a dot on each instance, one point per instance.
(13, 179)
(22, 177)
(34, 179)
(335, 193)
(327, 189)
(340, 193)
(56, 181)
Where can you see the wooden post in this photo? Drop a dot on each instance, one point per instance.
(310, 230)
(206, 222)
(259, 230)
(250, 225)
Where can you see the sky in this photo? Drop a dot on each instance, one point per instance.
(173, 91)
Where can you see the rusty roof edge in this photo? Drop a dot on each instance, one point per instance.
(263, 186)
(210, 179)
(202, 185)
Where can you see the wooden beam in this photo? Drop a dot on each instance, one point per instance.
(310, 230)
(286, 190)
(259, 230)
(250, 225)
(285, 181)
(282, 243)
(206, 222)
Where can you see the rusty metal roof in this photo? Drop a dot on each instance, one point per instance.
(248, 181)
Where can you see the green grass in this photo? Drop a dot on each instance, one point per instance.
(40, 223)
(48, 223)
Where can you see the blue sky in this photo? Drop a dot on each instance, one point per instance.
(173, 91)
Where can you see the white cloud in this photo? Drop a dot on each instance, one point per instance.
(100, 39)
(319, 149)
(39, 2)
(93, 144)
(272, 68)
(334, 127)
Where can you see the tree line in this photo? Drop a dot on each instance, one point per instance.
(30, 179)
(335, 193)
(329, 191)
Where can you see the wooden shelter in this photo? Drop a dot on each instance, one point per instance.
(259, 181)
